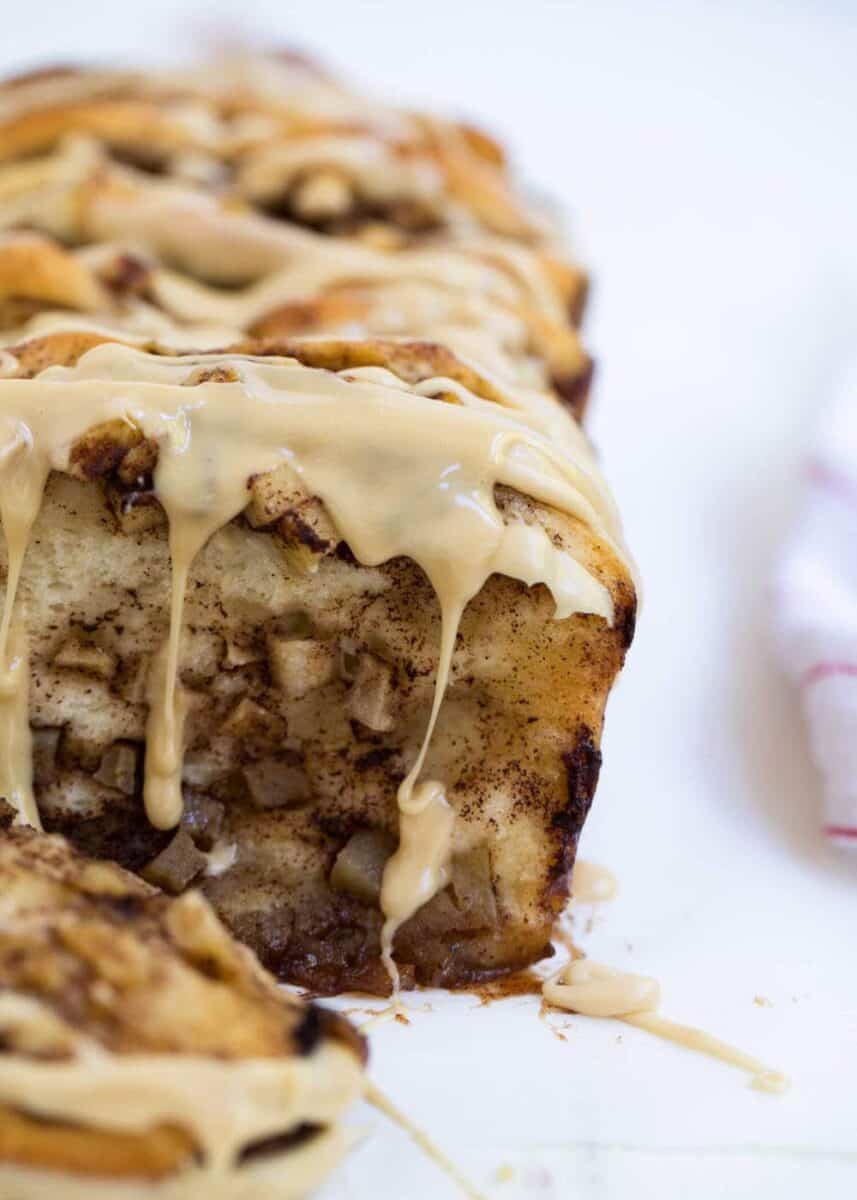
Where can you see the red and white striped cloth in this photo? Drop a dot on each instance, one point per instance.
(816, 609)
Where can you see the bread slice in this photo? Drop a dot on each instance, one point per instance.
(308, 679)
(320, 594)
(144, 1052)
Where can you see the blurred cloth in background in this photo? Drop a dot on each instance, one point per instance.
(815, 607)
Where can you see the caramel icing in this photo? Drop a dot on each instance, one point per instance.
(418, 868)
(484, 296)
(373, 165)
(225, 1105)
(764, 1079)
(282, 125)
(294, 93)
(421, 1139)
(42, 90)
(75, 195)
(595, 990)
(494, 327)
(23, 472)
(426, 491)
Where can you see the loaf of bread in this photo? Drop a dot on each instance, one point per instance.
(314, 593)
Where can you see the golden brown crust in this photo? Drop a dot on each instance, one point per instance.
(411, 361)
(117, 123)
(52, 350)
(152, 132)
(570, 366)
(81, 1150)
(36, 268)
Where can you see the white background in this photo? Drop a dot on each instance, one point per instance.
(707, 156)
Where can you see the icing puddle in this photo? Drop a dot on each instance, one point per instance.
(591, 989)
(585, 988)
(588, 988)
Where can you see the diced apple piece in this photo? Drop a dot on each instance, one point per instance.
(276, 783)
(80, 654)
(359, 866)
(118, 767)
(176, 866)
(371, 695)
(300, 665)
(45, 745)
(249, 720)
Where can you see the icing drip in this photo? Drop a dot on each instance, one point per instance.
(23, 474)
(162, 779)
(763, 1078)
(419, 867)
(16, 771)
(378, 1100)
(197, 502)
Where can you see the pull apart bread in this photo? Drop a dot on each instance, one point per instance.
(145, 1053)
(314, 593)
